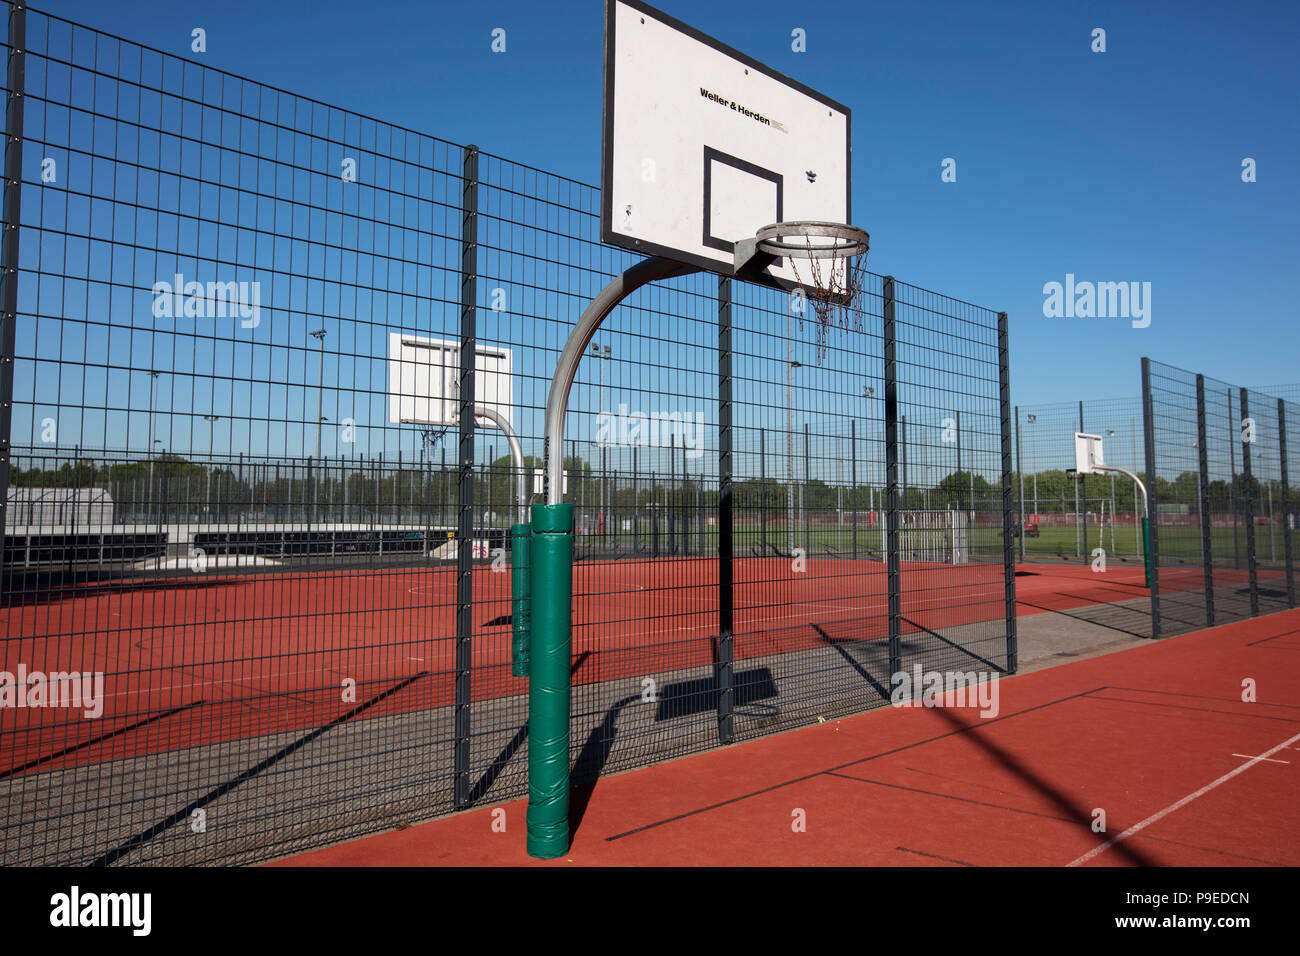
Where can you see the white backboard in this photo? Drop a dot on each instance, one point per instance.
(1087, 454)
(703, 146)
(539, 482)
(424, 376)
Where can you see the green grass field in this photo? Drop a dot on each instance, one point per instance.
(1053, 541)
(1175, 541)
(983, 539)
(1058, 540)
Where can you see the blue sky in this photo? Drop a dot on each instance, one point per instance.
(1115, 166)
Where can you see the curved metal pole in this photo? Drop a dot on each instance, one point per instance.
(516, 452)
(1146, 518)
(566, 370)
(1136, 479)
(550, 643)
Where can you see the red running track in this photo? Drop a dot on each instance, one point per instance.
(1158, 737)
(195, 662)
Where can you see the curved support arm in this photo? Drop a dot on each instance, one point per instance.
(516, 452)
(1136, 479)
(566, 370)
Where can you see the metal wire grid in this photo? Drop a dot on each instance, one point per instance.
(1224, 525)
(953, 611)
(233, 739)
(231, 731)
(1100, 510)
(1175, 511)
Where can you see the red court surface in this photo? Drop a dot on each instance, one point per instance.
(1158, 737)
(190, 662)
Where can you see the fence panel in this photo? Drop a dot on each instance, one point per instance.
(1067, 517)
(954, 611)
(293, 582)
(1223, 512)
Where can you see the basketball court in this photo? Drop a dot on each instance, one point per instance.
(1143, 757)
(295, 672)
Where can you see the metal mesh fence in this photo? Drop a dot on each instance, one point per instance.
(1223, 509)
(284, 605)
(1064, 517)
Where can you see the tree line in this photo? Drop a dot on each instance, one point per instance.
(171, 481)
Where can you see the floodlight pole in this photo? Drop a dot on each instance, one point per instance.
(319, 336)
(550, 648)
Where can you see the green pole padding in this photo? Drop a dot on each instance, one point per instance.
(520, 535)
(549, 656)
(1146, 549)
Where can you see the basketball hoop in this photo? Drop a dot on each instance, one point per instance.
(837, 285)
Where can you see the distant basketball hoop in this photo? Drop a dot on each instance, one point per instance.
(835, 257)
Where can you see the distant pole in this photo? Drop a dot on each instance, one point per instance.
(1132, 438)
(212, 421)
(150, 439)
(789, 434)
(319, 335)
(1080, 531)
(958, 424)
(853, 478)
(902, 457)
(762, 487)
(153, 377)
(1233, 438)
(602, 352)
(803, 512)
(1032, 419)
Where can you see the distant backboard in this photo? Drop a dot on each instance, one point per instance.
(1087, 454)
(424, 380)
(703, 146)
(539, 482)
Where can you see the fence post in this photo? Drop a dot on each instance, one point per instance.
(1203, 467)
(465, 499)
(1286, 505)
(1008, 502)
(725, 513)
(13, 174)
(894, 573)
(1249, 503)
(1153, 506)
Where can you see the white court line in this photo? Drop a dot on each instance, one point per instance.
(1248, 757)
(217, 683)
(1097, 850)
